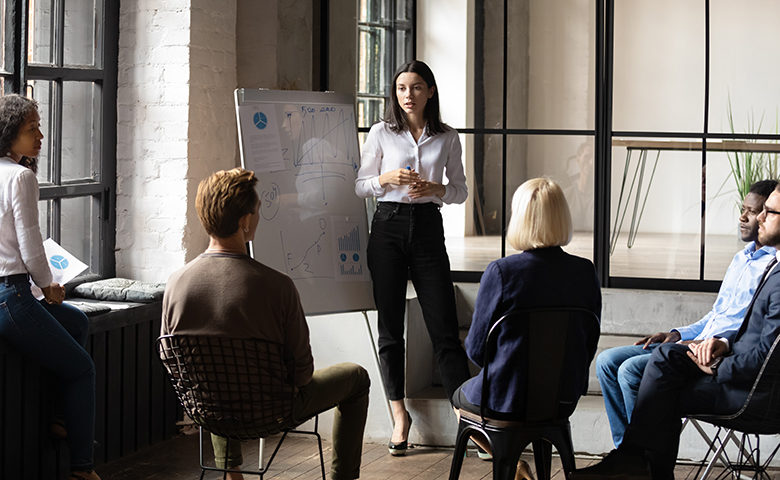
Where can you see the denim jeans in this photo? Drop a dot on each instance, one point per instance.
(53, 335)
(619, 371)
(344, 386)
(407, 240)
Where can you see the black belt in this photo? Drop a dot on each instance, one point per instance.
(410, 207)
(16, 278)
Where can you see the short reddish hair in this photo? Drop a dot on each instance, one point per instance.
(223, 198)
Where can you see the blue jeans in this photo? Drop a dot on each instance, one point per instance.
(619, 371)
(53, 335)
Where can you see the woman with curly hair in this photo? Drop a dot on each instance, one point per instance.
(47, 331)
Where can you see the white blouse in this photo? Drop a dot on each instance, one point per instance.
(430, 156)
(21, 247)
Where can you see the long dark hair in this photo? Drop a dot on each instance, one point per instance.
(396, 117)
(14, 110)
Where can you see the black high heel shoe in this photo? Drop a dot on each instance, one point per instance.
(399, 449)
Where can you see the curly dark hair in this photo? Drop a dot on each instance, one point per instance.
(14, 109)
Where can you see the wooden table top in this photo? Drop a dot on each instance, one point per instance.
(715, 145)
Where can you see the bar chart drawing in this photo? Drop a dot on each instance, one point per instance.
(350, 242)
(349, 253)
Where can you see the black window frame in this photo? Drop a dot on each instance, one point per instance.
(102, 189)
(603, 135)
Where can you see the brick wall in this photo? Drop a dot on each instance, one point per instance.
(178, 67)
(175, 124)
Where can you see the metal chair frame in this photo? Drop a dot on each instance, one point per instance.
(542, 427)
(738, 427)
(239, 396)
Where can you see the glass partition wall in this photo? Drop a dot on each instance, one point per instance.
(641, 110)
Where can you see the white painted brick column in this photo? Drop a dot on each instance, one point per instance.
(175, 125)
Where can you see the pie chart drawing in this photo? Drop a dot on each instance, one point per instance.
(59, 262)
(260, 120)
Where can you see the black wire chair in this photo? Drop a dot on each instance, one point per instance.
(237, 388)
(551, 334)
(759, 415)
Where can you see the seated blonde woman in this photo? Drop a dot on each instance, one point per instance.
(225, 292)
(542, 275)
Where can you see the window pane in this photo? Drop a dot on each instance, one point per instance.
(567, 160)
(42, 93)
(659, 66)
(44, 218)
(372, 10)
(372, 74)
(490, 93)
(723, 237)
(40, 40)
(370, 111)
(6, 46)
(79, 219)
(80, 140)
(79, 36)
(477, 240)
(656, 208)
(552, 64)
(743, 91)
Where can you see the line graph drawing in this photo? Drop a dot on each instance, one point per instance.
(321, 146)
(304, 256)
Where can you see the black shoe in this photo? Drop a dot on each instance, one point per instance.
(399, 449)
(619, 464)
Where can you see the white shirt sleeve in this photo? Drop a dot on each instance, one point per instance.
(24, 194)
(367, 181)
(455, 191)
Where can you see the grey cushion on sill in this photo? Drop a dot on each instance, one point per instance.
(89, 308)
(121, 290)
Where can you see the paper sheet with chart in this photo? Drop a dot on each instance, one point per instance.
(64, 266)
(303, 148)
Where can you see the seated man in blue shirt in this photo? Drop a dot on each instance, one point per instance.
(620, 369)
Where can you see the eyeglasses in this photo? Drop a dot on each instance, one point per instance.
(768, 211)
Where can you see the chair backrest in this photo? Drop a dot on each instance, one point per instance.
(233, 387)
(555, 340)
(761, 410)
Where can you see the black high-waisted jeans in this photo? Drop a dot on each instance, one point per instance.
(407, 240)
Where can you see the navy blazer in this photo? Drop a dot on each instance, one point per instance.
(544, 277)
(751, 343)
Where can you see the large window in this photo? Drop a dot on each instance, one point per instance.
(64, 55)
(385, 41)
(644, 111)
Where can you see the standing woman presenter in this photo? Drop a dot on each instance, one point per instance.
(402, 165)
(48, 331)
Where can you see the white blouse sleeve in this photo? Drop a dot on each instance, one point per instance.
(455, 191)
(24, 196)
(367, 181)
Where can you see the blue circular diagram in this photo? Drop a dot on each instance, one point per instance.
(59, 262)
(343, 257)
(355, 257)
(260, 120)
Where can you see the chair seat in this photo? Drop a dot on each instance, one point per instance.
(508, 424)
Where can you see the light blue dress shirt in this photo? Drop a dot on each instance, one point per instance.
(736, 291)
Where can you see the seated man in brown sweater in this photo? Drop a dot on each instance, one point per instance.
(224, 292)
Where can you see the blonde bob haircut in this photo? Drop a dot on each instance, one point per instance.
(540, 216)
(223, 198)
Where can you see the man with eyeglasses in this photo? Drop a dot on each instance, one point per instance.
(711, 377)
(620, 369)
